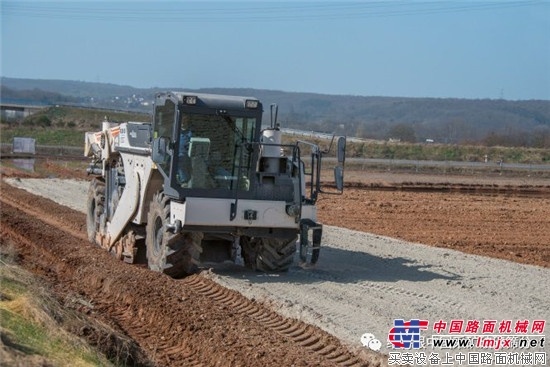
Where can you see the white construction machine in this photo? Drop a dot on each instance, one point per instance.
(204, 182)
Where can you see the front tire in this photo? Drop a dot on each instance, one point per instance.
(269, 254)
(174, 254)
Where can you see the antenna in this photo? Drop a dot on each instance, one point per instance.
(274, 113)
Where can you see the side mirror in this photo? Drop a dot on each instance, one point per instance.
(341, 149)
(339, 178)
(160, 149)
(339, 169)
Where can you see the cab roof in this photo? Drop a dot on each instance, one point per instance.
(217, 101)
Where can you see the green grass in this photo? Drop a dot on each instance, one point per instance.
(28, 336)
(83, 118)
(437, 152)
(29, 328)
(63, 126)
(45, 136)
(442, 152)
(11, 286)
(32, 338)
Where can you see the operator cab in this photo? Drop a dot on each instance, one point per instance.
(203, 144)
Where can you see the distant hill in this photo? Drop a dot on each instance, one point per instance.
(452, 121)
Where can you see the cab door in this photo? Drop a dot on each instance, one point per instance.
(165, 140)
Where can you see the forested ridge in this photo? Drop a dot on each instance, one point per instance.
(441, 120)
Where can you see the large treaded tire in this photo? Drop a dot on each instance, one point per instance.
(95, 207)
(275, 254)
(174, 254)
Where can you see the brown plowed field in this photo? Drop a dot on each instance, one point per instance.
(507, 222)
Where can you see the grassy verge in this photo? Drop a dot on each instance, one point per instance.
(443, 152)
(40, 328)
(62, 125)
(435, 152)
(45, 136)
(31, 324)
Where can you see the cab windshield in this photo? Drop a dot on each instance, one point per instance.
(214, 151)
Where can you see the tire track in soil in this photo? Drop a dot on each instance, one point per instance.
(302, 334)
(189, 322)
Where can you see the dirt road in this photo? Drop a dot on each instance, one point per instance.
(364, 281)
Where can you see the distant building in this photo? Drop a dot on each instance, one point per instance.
(15, 112)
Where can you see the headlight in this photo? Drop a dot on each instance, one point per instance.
(251, 103)
(192, 100)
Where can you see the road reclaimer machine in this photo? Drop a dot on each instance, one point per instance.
(204, 182)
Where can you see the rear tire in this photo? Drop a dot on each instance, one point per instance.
(269, 254)
(95, 207)
(174, 254)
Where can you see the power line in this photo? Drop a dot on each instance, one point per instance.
(247, 12)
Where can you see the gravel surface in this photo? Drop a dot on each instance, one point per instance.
(363, 282)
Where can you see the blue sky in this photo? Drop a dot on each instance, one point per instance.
(458, 49)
